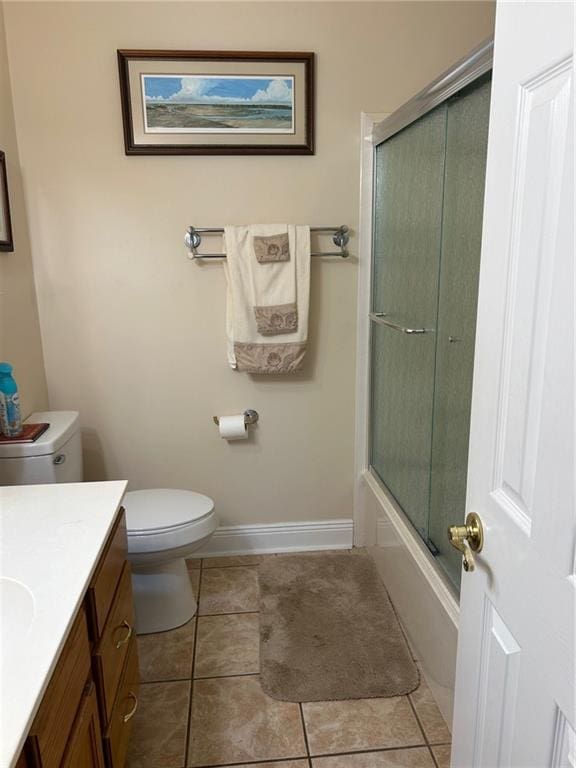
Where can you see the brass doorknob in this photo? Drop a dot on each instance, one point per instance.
(467, 539)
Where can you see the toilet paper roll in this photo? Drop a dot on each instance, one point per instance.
(233, 427)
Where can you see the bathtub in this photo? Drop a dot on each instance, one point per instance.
(425, 603)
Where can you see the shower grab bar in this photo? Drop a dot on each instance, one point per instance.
(193, 239)
(378, 317)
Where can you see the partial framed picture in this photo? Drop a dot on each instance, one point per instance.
(6, 241)
(217, 102)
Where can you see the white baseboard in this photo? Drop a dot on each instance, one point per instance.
(264, 538)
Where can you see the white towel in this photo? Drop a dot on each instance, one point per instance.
(268, 297)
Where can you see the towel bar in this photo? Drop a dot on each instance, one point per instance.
(193, 239)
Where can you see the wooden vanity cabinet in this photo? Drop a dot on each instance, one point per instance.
(102, 589)
(22, 762)
(111, 651)
(85, 743)
(85, 717)
(54, 721)
(117, 733)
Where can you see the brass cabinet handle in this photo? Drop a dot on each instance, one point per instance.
(124, 640)
(467, 539)
(132, 712)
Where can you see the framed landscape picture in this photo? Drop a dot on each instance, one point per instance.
(6, 242)
(217, 102)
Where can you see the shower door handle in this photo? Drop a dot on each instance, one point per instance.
(467, 539)
(379, 317)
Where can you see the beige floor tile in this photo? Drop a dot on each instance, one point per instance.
(193, 563)
(158, 738)
(442, 755)
(429, 715)
(348, 726)
(234, 721)
(229, 590)
(223, 562)
(281, 764)
(418, 757)
(195, 581)
(228, 645)
(314, 552)
(167, 655)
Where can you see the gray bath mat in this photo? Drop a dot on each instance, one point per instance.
(328, 631)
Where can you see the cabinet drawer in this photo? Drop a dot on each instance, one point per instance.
(103, 585)
(120, 726)
(53, 723)
(111, 651)
(85, 744)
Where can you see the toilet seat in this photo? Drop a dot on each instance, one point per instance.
(160, 519)
(161, 509)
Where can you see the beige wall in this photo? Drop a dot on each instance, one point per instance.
(19, 329)
(133, 331)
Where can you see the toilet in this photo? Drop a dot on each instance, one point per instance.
(164, 525)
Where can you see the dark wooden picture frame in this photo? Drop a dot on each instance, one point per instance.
(6, 239)
(159, 122)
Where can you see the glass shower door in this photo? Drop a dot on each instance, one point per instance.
(427, 235)
(406, 250)
(466, 143)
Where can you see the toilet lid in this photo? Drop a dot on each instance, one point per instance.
(160, 509)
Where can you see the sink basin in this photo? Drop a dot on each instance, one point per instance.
(17, 608)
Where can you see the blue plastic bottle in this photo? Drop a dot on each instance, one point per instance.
(10, 419)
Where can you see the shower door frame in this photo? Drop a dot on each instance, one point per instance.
(377, 515)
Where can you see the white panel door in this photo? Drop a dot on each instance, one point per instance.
(515, 688)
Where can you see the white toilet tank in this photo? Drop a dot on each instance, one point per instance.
(55, 457)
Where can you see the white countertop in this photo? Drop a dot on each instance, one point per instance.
(51, 537)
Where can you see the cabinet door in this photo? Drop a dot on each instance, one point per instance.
(85, 744)
(103, 586)
(118, 732)
(110, 655)
(52, 725)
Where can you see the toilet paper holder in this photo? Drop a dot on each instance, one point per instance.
(250, 417)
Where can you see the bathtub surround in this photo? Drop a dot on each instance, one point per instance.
(115, 288)
(329, 632)
(20, 342)
(423, 599)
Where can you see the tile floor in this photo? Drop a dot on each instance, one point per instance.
(201, 704)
